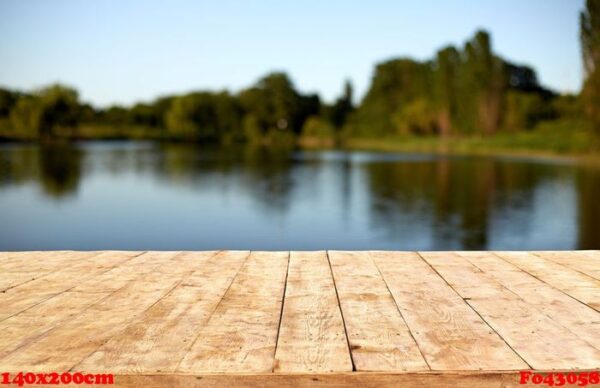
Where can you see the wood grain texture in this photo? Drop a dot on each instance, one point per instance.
(378, 336)
(162, 335)
(30, 325)
(65, 346)
(449, 333)
(235, 318)
(37, 260)
(574, 283)
(241, 334)
(311, 336)
(579, 261)
(591, 253)
(73, 269)
(23, 267)
(530, 332)
(575, 316)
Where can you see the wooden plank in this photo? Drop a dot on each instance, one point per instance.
(26, 327)
(27, 267)
(449, 333)
(28, 260)
(592, 254)
(63, 347)
(241, 334)
(311, 336)
(138, 267)
(141, 316)
(4, 256)
(378, 336)
(577, 317)
(532, 334)
(88, 265)
(578, 261)
(158, 340)
(574, 283)
(33, 323)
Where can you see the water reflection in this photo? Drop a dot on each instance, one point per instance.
(588, 209)
(56, 168)
(463, 198)
(120, 195)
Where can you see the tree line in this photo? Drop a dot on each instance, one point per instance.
(466, 90)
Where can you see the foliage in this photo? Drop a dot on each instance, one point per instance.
(274, 104)
(316, 127)
(8, 99)
(590, 43)
(50, 112)
(395, 83)
(524, 110)
(561, 136)
(459, 92)
(204, 116)
(466, 91)
(342, 108)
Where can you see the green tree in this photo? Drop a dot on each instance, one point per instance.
(523, 110)
(482, 85)
(51, 112)
(204, 116)
(447, 68)
(317, 128)
(192, 116)
(25, 118)
(274, 111)
(8, 99)
(590, 43)
(59, 111)
(416, 117)
(274, 104)
(396, 83)
(342, 107)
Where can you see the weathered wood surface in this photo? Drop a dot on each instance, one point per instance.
(331, 318)
(311, 336)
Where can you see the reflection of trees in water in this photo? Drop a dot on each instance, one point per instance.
(262, 172)
(457, 200)
(57, 168)
(588, 206)
(60, 170)
(18, 165)
(265, 173)
(458, 196)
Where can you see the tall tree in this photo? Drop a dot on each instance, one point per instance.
(8, 99)
(51, 112)
(343, 106)
(399, 90)
(273, 104)
(446, 87)
(203, 115)
(484, 82)
(590, 44)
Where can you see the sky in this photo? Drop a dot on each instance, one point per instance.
(125, 51)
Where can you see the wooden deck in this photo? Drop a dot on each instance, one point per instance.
(300, 318)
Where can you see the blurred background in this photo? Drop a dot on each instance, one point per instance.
(314, 125)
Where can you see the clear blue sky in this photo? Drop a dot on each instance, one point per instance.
(122, 51)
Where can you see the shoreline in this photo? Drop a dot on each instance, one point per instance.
(447, 149)
(443, 147)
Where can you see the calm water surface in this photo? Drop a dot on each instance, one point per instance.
(123, 195)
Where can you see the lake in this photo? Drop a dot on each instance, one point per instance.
(143, 195)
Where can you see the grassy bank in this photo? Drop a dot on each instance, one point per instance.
(553, 138)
